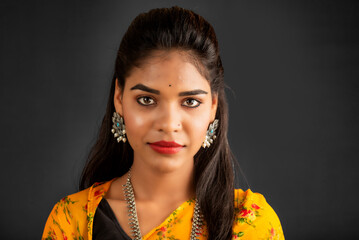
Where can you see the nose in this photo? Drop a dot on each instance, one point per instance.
(168, 119)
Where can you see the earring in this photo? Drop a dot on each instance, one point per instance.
(118, 128)
(210, 135)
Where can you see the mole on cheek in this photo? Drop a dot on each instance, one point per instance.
(170, 85)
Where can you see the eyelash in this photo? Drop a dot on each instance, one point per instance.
(146, 105)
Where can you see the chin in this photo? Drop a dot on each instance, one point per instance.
(168, 166)
(165, 165)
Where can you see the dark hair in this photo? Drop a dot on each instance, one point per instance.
(167, 29)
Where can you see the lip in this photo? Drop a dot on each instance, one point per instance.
(165, 147)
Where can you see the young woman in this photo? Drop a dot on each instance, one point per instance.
(162, 167)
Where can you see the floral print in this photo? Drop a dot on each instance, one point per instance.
(247, 215)
(254, 218)
(72, 218)
(63, 204)
(237, 235)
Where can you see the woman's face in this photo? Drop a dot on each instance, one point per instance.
(166, 99)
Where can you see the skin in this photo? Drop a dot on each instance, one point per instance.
(161, 182)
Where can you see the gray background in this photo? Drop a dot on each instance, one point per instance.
(292, 67)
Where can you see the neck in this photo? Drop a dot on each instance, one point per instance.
(162, 186)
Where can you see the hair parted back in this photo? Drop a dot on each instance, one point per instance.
(173, 29)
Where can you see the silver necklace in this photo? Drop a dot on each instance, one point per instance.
(132, 213)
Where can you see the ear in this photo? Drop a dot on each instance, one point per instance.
(214, 106)
(117, 98)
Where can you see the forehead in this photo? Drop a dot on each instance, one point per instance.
(168, 69)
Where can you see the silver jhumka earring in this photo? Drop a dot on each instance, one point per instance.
(118, 128)
(211, 134)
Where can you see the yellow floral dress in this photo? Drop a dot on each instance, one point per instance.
(72, 218)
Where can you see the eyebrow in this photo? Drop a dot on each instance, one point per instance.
(145, 88)
(154, 91)
(193, 92)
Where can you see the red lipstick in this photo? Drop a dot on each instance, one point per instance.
(164, 147)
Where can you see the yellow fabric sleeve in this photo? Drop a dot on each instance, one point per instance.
(54, 228)
(67, 220)
(255, 218)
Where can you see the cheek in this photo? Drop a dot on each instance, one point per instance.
(197, 129)
(136, 125)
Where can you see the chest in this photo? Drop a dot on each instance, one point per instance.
(150, 215)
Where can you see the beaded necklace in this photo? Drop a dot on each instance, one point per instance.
(132, 213)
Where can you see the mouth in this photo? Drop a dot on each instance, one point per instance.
(164, 147)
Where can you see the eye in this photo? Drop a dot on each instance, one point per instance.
(145, 101)
(191, 102)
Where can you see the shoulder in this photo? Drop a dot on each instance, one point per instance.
(72, 215)
(248, 198)
(81, 205)
(72, 206)
(254, 217)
